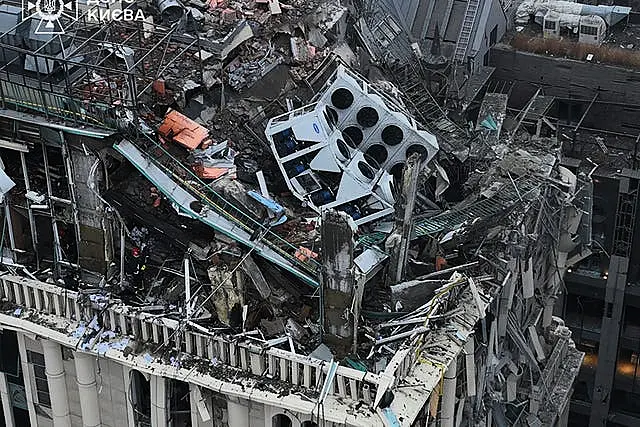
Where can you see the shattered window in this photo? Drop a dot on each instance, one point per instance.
(589, 30)
(40, 377)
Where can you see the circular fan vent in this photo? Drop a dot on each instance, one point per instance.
(392, 135)
(378, 153)
(353, 135)
(367, 117)
(344, 150)
(331, 116)
(366, 170)
(342, 98)
(396, 171)
(415, 148)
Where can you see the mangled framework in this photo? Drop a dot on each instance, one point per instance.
(101, 65)
(427, 344)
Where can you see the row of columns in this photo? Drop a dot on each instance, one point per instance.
(56, 381)
(238, 410)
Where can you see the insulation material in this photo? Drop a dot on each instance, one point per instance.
(6, 184)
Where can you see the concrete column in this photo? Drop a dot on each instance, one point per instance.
(337, 282)
(547, 314)
(201, 410)
(26, 374)
(448, 405)
(237, 412)
(159, 401)
(609, 340)
(5, 397)
(398, 243)
(86, 379)
(57, 384)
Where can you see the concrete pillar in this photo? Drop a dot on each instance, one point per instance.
(201, 410)
(448, 405)
(26, 374)
(237, 412)
(86, 379)
(337, 281)
(547, 314)
(398, 243)
(5, 397)
(159, 401)
(57, 385)
(609, 340)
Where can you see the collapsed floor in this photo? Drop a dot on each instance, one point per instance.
(205, 234)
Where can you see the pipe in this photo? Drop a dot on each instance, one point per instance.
(54, 369)
(171, 10)
(447, 413)
(88, 391)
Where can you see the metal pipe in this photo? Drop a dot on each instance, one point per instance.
(187, 286)
(54, 369)
(88, 391)
(447, 413)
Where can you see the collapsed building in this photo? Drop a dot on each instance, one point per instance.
(238, 213)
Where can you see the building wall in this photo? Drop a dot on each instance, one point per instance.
(112, 385)
(563, 77)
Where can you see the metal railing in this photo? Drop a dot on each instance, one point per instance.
(22, 97)
(176, 170)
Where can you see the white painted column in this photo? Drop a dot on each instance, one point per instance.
(87, 388)
(237, 412)
(158, 387)
(26, 375)
(57, 385)
(448, 405)
(5, 397)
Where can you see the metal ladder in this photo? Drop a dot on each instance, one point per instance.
(467, 28)
(408, 77)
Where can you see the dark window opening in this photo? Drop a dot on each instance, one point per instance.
(140, 399)
(281, 420)
(179, 403)
(493, 36)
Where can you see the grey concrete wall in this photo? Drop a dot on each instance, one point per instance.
(563, 77)
(492, 16)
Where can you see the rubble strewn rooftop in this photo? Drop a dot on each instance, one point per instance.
(236, 195)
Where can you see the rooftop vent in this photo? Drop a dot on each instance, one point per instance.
(392, 135)
(367, 117)
(342, 98)
(353, 134)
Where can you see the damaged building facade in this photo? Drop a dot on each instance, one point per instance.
(305, 213)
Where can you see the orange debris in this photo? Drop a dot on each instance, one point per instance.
(182, 130)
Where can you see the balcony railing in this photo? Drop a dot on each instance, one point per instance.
(237, 353)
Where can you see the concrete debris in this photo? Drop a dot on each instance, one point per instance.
(287, 204)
